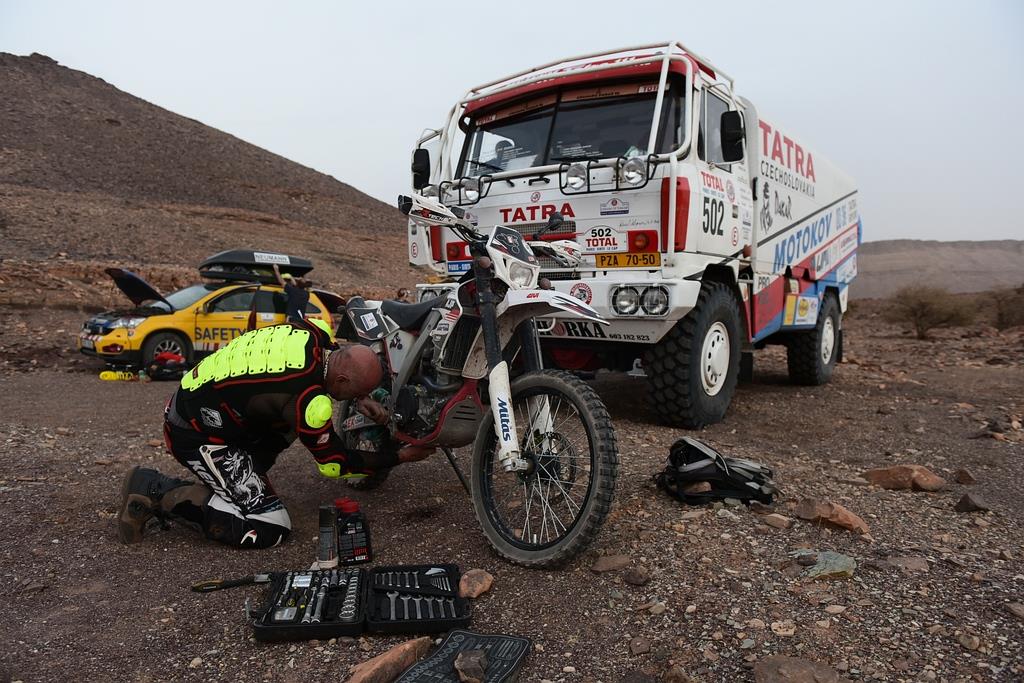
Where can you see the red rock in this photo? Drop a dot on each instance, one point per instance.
(778, 521)
(610, 563)
(814, 510)
(475, 583)
(964, 477)
(390, 665)
(782, 669)
(905, 477)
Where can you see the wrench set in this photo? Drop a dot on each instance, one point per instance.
(326, 603)
(415, 599)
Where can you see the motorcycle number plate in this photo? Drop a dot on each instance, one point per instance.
(628, 260)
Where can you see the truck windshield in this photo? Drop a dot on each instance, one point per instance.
(588, 123)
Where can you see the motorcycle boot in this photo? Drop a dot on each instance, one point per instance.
(141, 495)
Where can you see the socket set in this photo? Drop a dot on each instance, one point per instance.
(323, 603)
(415, 599)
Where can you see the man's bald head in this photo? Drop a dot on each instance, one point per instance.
(353, 371)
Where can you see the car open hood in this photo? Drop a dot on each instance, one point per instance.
(135, 288)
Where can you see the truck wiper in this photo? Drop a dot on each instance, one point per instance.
(487, 165)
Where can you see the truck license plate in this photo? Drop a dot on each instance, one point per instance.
(88, 344)
(627, 260)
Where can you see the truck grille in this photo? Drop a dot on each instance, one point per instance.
(567, 230)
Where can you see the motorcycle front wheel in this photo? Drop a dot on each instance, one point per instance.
(546, 515)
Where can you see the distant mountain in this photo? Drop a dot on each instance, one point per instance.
(962, 266)
(91, 174)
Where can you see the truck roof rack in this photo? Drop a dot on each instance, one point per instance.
(596, 61)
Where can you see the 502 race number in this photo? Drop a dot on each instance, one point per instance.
(714, 213)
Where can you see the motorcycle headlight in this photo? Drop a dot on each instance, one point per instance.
(520, 276)
(130, 323)
(471, 189)
(576, 176)
(634, 171)
(654, 301)
(626, 300)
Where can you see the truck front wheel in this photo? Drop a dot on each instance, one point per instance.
(811, 355)
(692, 371)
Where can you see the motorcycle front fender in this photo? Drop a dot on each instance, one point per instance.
(520, 305)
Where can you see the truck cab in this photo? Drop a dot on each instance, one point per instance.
(706, 230)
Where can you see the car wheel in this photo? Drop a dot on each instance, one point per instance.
(166, 342)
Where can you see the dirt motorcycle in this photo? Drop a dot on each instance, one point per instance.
(544, 457)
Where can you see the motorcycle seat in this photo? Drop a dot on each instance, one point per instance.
(408, 316)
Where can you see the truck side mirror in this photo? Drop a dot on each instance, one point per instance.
(420, 168)
(732, 136)
(404, 204)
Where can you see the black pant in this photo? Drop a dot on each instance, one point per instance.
(243, 509)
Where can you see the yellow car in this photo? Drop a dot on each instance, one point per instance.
(194, 321)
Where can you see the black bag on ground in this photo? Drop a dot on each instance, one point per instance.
(691, 461)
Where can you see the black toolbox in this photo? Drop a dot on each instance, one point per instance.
(328, 603)
(415, 598)
(321, 603)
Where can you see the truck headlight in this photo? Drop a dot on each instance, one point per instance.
(654, 301)
(633, 171)
(520, 276)
(471, 189)
(576, 176)
(626, 300)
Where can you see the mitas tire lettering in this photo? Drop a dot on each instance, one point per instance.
(503, 418)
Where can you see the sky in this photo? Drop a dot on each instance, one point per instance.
(918, 101)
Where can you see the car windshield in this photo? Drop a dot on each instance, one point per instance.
(184, 298)
(588, 123)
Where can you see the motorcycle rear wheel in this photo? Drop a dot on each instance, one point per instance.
(546, 516)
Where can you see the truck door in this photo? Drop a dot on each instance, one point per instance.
(725, 201)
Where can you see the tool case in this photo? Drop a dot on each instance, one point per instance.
(327, 603)
(324, 603)
(412, 598)
(504, 657)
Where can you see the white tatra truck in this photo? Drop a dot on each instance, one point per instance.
(708, 229)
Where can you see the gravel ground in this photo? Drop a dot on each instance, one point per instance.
(928, 600)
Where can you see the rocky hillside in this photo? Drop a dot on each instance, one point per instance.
(92, 176)
(962, 266)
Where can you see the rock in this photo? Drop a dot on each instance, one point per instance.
(155, 443)
(471, 665)
(855, 481)
(964, 477)
(784, 628)
(610, 563)
(747, 643)
(195, 663)
(690, 609)
(388, 666)
(835, 609)
(639, 645)
(831, 513)
(1016, 609)
(637, 576)
(778, 521)
(658, 608)
(733, 502)
(568, 669)
(697, 487)
(969, 642)
(832, 565)
(675, 675)
(971, 502)
(910, 564)
(782, 669)
(475, 583)
(756, 624)
(905, 477)
(691, 515)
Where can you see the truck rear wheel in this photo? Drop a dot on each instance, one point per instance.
(811, 355)
(692, 371)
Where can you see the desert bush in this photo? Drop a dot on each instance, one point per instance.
(1009, 307)
(926, 308)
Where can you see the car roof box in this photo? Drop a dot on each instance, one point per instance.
(252, 266)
